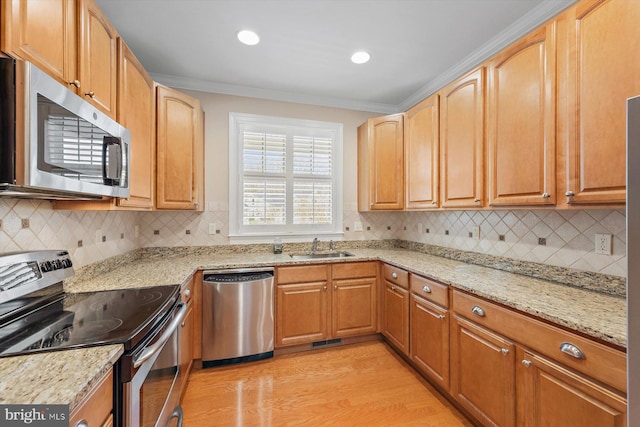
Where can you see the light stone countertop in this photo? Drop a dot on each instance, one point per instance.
(57, 377)
(66, 376)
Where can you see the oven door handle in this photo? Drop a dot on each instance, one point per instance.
(157, 346)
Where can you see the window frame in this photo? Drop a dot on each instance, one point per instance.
(238, 122)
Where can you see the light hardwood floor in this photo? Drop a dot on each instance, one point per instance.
(364, 384)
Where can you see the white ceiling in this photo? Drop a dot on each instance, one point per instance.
(416, 46)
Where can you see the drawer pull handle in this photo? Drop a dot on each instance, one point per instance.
(324, 288)
(441, 316)
(504, 351)
(187, 293)
(394, 275)
(478, 311)
(572, 350)
(546, 195)
(82, 423)
(569, 193)
(335, 287)
(526, 363)
(393, 288)
(75, 83)
(426, 289)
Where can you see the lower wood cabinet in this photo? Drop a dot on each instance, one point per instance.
(186, 335)
(483, 373)
(549, 394)
(395, 307)
(96, 409)
(320, 302)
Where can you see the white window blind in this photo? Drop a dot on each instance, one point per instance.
(287, 179)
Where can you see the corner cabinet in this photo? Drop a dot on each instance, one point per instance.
(462, 142)
(421, 153)
(179, 151)
(381, 163)
(521, 130)
(136, 112)
(600, 36)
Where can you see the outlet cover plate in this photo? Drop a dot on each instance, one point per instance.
(603, 244)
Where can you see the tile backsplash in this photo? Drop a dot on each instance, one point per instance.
(568, 235)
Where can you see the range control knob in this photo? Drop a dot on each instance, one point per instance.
(66, 263)
(45, 266)
(56, 264)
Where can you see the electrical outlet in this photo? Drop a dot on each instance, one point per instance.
(136, 231)
(476, 232)
(603, 244)
(212, 228)
(357, 226)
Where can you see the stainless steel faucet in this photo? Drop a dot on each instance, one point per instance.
(330, 245)
(314, 245)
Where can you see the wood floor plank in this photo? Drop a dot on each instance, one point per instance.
(364, 384)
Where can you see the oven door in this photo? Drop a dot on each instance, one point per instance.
(151, 396)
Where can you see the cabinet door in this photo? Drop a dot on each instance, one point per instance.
(421, 154)
(302, 313)
(521, 122)
(186, 348)
(353, 307)
(551, 395)
(603, 73)
(97, 58)
(483, 373)
(396, 316)
(381, 163)
(430, 339)
(136, 112)
(462, 142)
(42, 32)
(179, 150)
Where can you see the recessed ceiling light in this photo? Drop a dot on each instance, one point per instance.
(248, 37)
(360, 57)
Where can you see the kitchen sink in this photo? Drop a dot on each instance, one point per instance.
(320, 255)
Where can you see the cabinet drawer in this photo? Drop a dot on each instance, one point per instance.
(353, 270)
(600, 362)
(303, 274)
(396, 275)
(430, 290)
(96, 408)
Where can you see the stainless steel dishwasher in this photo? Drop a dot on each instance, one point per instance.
(237, 316)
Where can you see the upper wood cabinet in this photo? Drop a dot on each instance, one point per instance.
(600, 54)
(43, 32)
(421, 154)
(521, 99)
(381, 164)
(136, 112)
(98, 58)
(462, 142)
(180, 146)
(71, 41)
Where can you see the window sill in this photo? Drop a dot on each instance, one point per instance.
(286, 238)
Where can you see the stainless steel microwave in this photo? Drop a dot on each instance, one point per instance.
(53, 143)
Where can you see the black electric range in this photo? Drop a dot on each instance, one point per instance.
(36, 315)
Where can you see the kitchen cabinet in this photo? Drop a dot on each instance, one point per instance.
(395, 307)
(186, 334)
(483, 373)
(179, 151)
(44, 33)
(98, 58)
(549, 394)
(429, 327)
(462, 142)
(96, 409)
(136, 112)
(521, 130)
(320, 302)
(381, 163)
(600, 75)
(421, 154)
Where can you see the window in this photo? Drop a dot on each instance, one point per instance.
(285, 176)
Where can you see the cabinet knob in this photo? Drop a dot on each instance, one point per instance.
(394, 275)
(504, 351)
(441, 316)
(75, 83)
(433, 202)
(393, 288)
(335, 287)
(476, 200)
(569, 193)
(426, 289)
(82, 423)
(187, 293)
(196, 204)
(324, 288)
(478, 311)
(572, 350)
(526, 363)
(546, 195)
(90, 94)
(182, 324)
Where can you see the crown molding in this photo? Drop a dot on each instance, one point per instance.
(274, 95)
(536, 17)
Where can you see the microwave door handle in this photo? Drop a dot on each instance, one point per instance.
(148, 352)
(111, 151)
